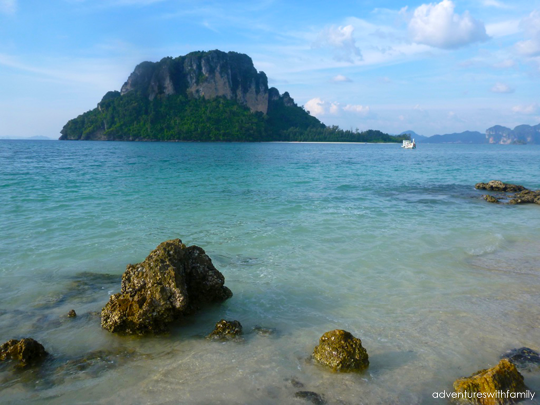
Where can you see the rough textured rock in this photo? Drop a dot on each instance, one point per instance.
(525, 197)
(226, 330)
(341, 351)
(497, 185)
(203, 74)
(311, 397)
(503, 377)
(173, 281)
(72, 314)
(523, 358)
(490, 198)
(26, 351)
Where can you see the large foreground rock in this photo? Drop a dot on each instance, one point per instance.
(26, 351)
(173, 281)
(341, 351)
(504, 377)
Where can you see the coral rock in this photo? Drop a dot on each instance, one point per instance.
(503, 377)
(497, 185)
(226, 330)
(341, 351)
(173, 281)
(27, 351)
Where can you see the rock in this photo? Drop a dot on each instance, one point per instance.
(490, 198)
(27, 351)
(503, 377)
(341, 351)
(497, 185)
(262, 331)
(311, 396)
(523, 358)
(72, 314)
(525, 197)
(296, 384)
(173, 281)
(226, 330)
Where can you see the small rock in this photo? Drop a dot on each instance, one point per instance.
(226, 330)
(296, 384)
(490, 198)
(341, 351)
(503, 377)
(27, 351)
(311, 396)
(72, 314)
(523, 358)
(264, 331)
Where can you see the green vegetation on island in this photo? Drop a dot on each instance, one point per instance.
(205, 96)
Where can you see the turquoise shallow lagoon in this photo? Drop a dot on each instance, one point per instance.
(395, 246)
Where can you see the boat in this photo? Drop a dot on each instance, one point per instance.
(409, 144)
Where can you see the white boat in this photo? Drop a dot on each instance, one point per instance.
(409, 144)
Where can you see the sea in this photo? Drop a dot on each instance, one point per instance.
(395, 246)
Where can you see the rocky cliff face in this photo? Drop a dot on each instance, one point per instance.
(521, 134)
(203, 74)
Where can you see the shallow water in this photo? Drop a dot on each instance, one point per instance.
(395, 246)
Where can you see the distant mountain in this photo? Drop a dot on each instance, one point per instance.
(414, 135)
(468, 137)
(32, 138)
(522, 134)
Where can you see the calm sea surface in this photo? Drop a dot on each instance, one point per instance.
(395, 246)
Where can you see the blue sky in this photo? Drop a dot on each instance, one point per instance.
(440, 67)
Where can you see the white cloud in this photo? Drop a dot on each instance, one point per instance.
(502, 88)
(357, 109)
(505, 64)
(342, 42)
(341, 79)
(503, 28)
(526, 109)
(437, 25)
(531, 26)
(495, 3)
(8, 6)
(315, 106)
(318, 107)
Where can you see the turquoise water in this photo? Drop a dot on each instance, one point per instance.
(394, 245)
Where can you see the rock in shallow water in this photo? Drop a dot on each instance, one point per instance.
(503, 377)
(226, 330)
(173, 281)
(497, 185)
(523, 358)
(27, 351)
(310, 396)
(490, 198)
(341, 351)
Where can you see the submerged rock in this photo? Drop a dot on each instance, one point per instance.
(523, 358)
(26, 351)
(226, 330)
(173, 281)
(497, 185)
(490, 198)
(341, 351)
(311, 396)
(503, 377)
(72, 314)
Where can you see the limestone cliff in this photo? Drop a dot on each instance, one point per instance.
(203, 74)
(522, 134)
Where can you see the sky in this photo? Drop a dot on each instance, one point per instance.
(434, 68)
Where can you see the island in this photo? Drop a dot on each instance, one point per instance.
(205, 96)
